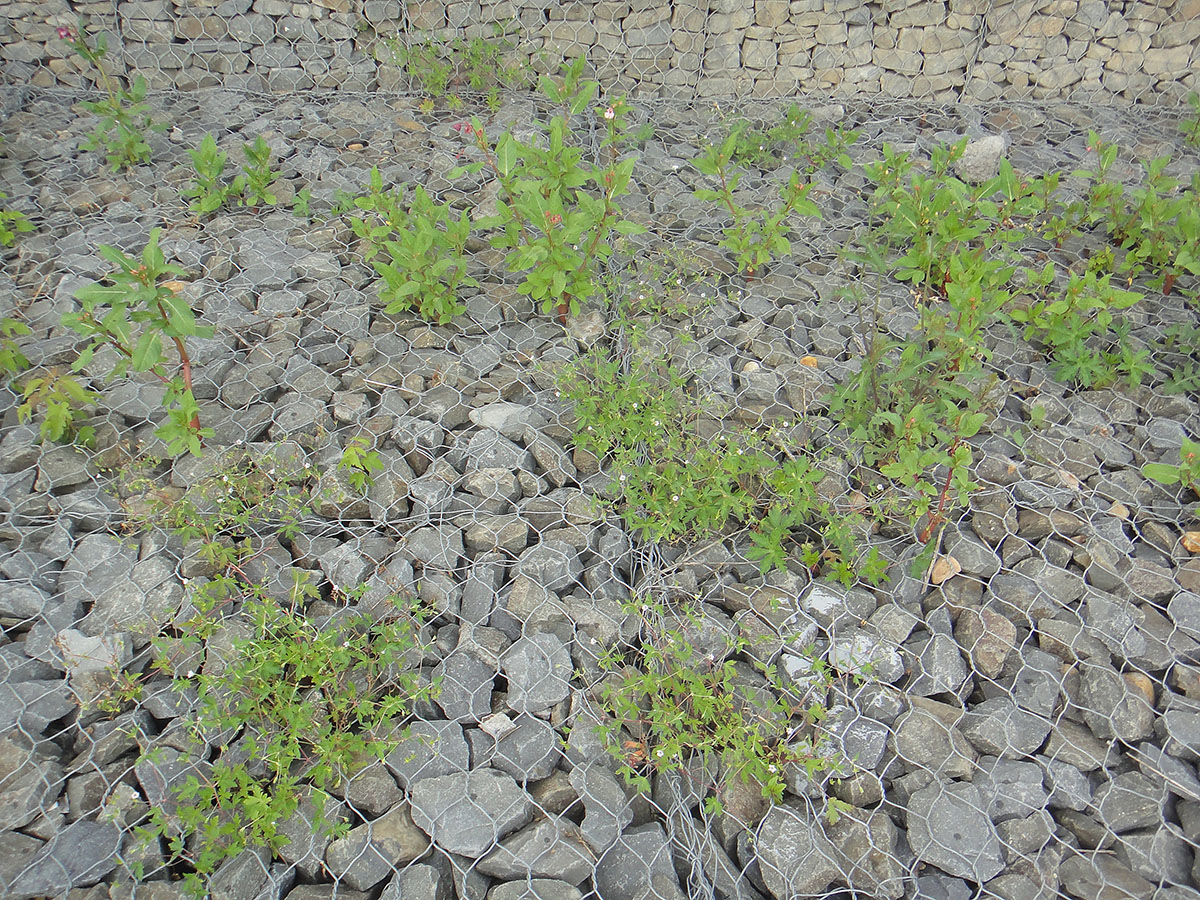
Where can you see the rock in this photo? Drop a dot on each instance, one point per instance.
(509, 533)
(1112, 706)
(429, 749)
(125, 594)
(1180, 778)
(470, 812)
(607, 811)
(997, 726)
(538, 669)
(309, 833)
(418, 882)
(551, 847)
(831, 604)
(853, 738)
(30, 780)
(33, 705)
(938, 668)
(373, 850)
(78, 856)
(858, 652)
(980, 159)
(794, 855)
(638, 867)
(535, 889)
(1010, 789)
(243, 877)
(1101, 876)
(866, 840)
(1130, 801)
(552, 563)
(371, 790)
(987, 638)
(438, 547)
(1075, 744)
(948, 828)
(528, 750)
(466, 691)
(923, 740)
(1156, 853)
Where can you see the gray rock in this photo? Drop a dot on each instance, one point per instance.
(30, 780)
(1101, 876)
(1112, 707)
(308, 833)
(938, 668)
(854, 738)
(535, 889)
(1157, 853)
(510, 419)
(509, 533)
(1010, 789)
(948, 828)
(552, 563)
(528, 751)
(859, 652)
(607, 811)
(1130, 801)
(491, 450)
(371, 790)
(434, 547)
(832, 605)
(466, 691)
(638, 867)
(243, 877)
(980, 159)
(1037, 683)
(419, 882)
(1184, 610)
(554, 462)
(552, 847)
(795, 857)
(16, 850)
(923, 740)
(997, 726)
(866, 840)
(1069, 788)
(33, 705)
(538, 669)
(126, 595)
(470, 812)
(973, 555)
(430, 749)
(1179, 776)
(373, 850)
(78, 856)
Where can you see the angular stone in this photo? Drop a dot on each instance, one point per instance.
(538, 669)
(923, 740)
(373, 850)
(997, 726)
(866, 840)
(29, 780)
(987, 638)
(430, 749)
(607, 811)
(948, 828)
(795, 857)
(549, 848)
(1130, 801)
(528, 749)
(78, 856)
(638, 867)
(468, 813)
(1010, 789)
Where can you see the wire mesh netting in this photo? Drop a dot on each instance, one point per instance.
(588, 602)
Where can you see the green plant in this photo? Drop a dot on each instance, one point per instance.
(425, 247)
(676, 705)
(480, 64)
(788, 141)
(301, 203)
(12, 223)
(12, 359)
(62, 398)
(1186, 473)
(309, 701)
(675, 479)
(1077, 327)
(754, 238)
(253, 186)
(1191, 124)
(125, 118)
(554, 228)
(360, 463)
(134, 314)
(208, 191)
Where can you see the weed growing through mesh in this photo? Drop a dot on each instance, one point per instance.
(133, 315)
(125, 119)
(1191, 124)
(1186, 473)
(557, 229)
(360, 463)
(12, 223)
(669, 705)
(417, 247)
(482, 65)
(61, 402)
(301, 704)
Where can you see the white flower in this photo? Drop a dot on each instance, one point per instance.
(772, 769)
(658, 753)
(620, 478)
(191, 673)
(610, 114)
(675, 498)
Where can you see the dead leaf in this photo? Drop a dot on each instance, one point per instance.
(1068, 479)
(810, 361)
(174, 286)
(944, 568)
(1191, 541)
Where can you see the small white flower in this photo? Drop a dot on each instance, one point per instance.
(620, 478)
(610, 114)
(761, 147)
(675, 498)
(658, 753)
(772, 769)
(191, 673)
(589, 428)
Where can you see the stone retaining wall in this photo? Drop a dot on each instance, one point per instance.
(980, 49)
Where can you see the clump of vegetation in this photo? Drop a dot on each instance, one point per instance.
(481, 65)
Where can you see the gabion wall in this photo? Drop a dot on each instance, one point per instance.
(980, 49)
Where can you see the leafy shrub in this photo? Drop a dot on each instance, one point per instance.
(680, 706)
(425, 247)
(1186, 473)
(133, 315)
(12, 223)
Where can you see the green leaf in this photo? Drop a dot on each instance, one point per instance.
(1162, 473)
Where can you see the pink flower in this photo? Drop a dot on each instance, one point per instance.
(610, 114)
(554, 218)
(65, 33)
(463, 128)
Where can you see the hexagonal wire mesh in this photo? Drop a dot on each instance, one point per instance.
(1025, 728)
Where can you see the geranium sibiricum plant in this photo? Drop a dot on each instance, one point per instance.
(556, 212)
(133, 315)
